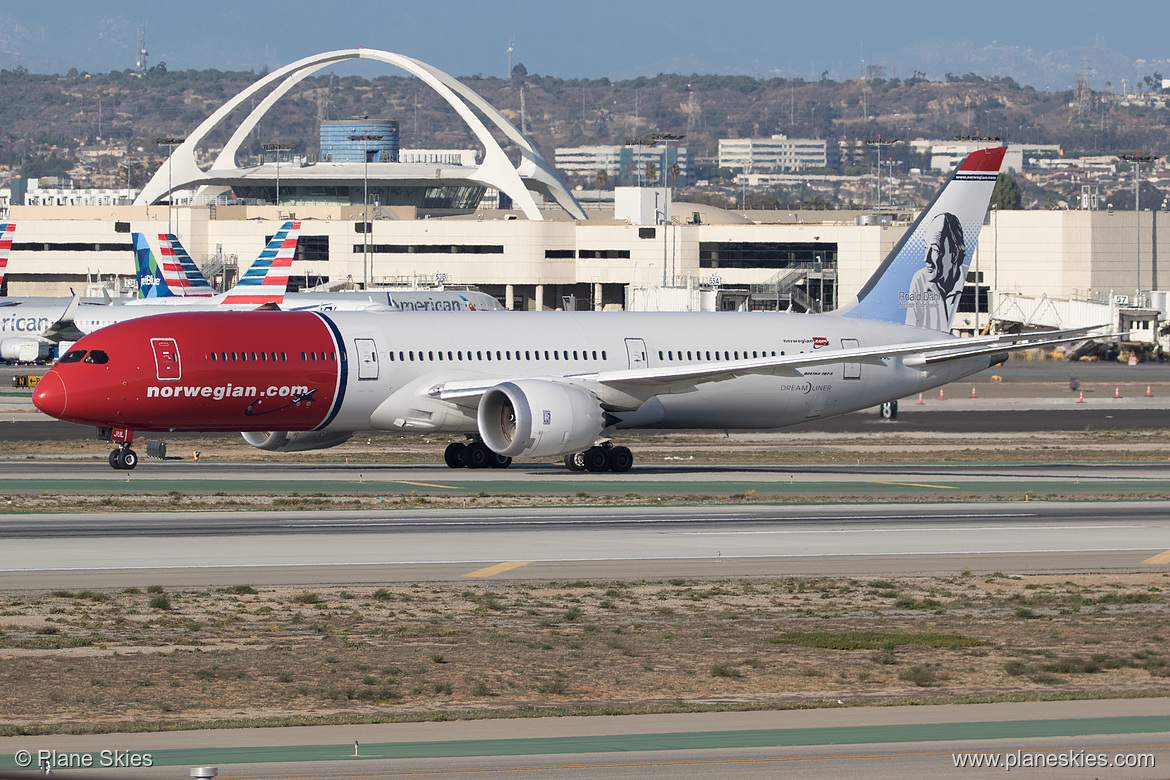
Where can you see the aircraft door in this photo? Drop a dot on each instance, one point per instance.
(852, 370)
(367, 354)
(636, 352)
(166, 359)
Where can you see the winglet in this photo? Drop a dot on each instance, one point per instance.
(64, 329)
(267, 279)
(920, 281)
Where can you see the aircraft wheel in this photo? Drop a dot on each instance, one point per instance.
(115, 461)
(889, 410)
(498, 461)
(621, 459)
(455, 455)
(575, 461)
(597, 459)
(128, 458)
(476, 455)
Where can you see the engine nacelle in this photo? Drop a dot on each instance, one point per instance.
(537, 418)
(23, 350)
(295, 441)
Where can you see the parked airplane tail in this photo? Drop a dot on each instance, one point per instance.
(188, 278)
(152, 282)
(267, 279)
(920, 281)
(6, 231)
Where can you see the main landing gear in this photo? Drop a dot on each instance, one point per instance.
(124, 458)
(603, 457)
(474, 455)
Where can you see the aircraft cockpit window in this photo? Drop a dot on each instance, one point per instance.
(97, 356)
(73, 356)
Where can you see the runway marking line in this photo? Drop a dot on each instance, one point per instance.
(424, 484)
(916, 484)
(499, 567)
(681, 762)
(1159, 558)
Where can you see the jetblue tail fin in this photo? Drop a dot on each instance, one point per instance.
(187, 276)
(267, 279)
(920, 281)
(151, 282)
(6, 231)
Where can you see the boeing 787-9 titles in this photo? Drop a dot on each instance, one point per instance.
(540, 384)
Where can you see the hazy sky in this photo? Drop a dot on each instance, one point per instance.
(591, 39)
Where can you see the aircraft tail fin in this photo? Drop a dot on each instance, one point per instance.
(175, 260)
(267, 279)
(920, 281)
(6, 231)
(152, 283)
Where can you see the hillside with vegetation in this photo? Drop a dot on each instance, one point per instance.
(100, 128)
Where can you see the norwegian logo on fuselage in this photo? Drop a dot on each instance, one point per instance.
(820, 341)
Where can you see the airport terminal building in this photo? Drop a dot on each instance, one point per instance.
(513, 229)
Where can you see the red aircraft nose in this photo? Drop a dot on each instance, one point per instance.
(50, 394)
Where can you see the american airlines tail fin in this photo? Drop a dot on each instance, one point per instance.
(188, 278)
(6, 231)
(920, 281)
(267, 279)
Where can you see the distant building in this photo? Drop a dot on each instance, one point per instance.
(623, 164)
(337, 145)
(778, 153)
(944, 155)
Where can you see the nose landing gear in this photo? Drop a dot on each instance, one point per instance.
(123, 458)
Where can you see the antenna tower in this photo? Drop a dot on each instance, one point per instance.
(140, 65)
(1082, 94)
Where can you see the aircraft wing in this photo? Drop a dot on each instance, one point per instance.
(64, 328)
(646, 382)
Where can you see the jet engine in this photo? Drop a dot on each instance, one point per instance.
(20, 350)
(295, 441)
(537, 417)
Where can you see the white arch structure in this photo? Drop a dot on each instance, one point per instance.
(533, 174)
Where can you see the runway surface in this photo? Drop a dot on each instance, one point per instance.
(325, 547)
(877, 742)
(304, 548)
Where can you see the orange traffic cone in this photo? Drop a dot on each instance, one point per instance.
(919, 399)
(941, 397)
(1117, 391)
(1081, 400)
(972, 391)
(1148, 391)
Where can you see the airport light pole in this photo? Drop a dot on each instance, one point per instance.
(1137, 160)
(665, 139)
(278, 147)
(365, 139)
(170, 141)
(879, 142)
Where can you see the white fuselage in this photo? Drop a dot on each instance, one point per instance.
(414, 353)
